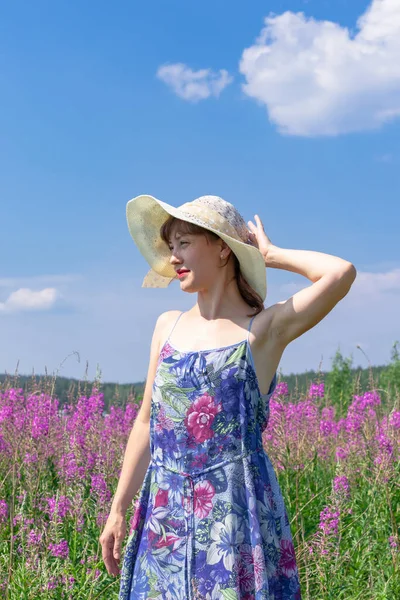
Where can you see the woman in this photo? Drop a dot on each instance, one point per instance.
(210, 521)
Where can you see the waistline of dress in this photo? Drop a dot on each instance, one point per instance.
(195, 474)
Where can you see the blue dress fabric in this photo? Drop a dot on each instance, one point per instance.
(210, 521)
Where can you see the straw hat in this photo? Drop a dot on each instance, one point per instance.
(145, 215)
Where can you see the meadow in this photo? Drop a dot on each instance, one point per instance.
(335, 449)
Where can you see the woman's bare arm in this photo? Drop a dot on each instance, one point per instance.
(137, 453)
(134, 467)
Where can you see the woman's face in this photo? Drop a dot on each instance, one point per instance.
(197, 254)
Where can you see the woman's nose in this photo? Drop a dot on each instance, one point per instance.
(174, 258)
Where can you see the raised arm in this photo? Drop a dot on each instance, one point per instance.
(332, 279)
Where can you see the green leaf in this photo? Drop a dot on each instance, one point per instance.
(221, 509)
(176, 397)
(203, 531)
(153, 594)
(233, 359)
(229, 594)
(219, 424)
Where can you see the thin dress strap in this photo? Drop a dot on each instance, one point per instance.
(170, 333)
(248, 331)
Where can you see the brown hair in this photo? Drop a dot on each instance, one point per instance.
(249, 295)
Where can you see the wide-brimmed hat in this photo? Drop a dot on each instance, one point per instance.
(145, 216)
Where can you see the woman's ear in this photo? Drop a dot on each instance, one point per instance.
(225, 249)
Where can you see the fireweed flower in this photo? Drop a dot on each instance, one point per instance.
(99, 487)
(17, 519)
(87, 412)
(316, 390)
(60, 550)
(34, 538)
(281, 389)
(341, 487)
(27, 523)
(118, 423)
(52, 583)
(324, 542)
(101, 518)
(3, 511)
(329, 521)
(59, 507)
(69, 469)
(71, 580)
(395, 420)
(30, 458)
(328, 425)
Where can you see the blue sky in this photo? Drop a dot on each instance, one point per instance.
(295, 118)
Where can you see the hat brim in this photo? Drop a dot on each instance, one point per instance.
(146, 214)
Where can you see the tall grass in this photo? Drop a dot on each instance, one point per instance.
(335, 451)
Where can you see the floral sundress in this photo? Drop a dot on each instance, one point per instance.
(210, 522)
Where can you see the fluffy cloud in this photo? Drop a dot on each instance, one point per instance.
(26, 299)
(193, 85)
(318, 78)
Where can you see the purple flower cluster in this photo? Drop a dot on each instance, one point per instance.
(59, 550)
(296, 431)
(3, 511)
(317, 390)
(395, 419)
(99, 487)
(58, 507)
(84, 448)
(34, 538)
(329, 521)
(341, 487)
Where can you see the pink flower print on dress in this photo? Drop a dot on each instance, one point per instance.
(166, 351)
(204, 492)
(259, 566)
(163, 422)
(161, 498)
(136, 517)
(170, 540)
(199, 460)
(246, 570)
(287, 562)
(200, 417)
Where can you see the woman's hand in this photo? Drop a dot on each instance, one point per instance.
(111, 540)
(259, 237)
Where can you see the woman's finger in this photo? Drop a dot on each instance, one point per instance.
(259, 221)
(108, 557)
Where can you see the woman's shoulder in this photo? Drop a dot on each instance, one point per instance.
(165, 323)
(168, 317)
(169, 314)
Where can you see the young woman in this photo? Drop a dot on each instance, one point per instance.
(211, 521)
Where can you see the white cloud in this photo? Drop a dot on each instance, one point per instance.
(376, 284)
(193, 85)
(319, 78)
(26, 299)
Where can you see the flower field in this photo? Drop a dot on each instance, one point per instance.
(337, 464)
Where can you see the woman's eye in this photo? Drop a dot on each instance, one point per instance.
(179, 243)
